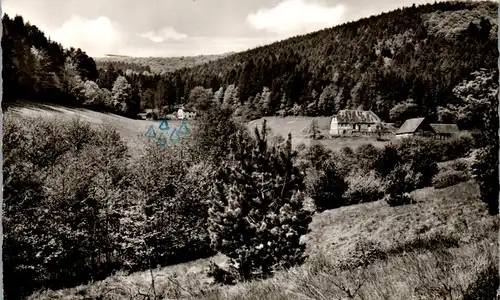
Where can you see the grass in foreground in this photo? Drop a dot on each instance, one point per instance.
(443, 247)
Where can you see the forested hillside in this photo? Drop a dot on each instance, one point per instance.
(400, 64)
(36, 69)
(413, 57)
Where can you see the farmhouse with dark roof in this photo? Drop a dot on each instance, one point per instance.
(354, 121)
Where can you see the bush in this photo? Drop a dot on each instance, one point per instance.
(326, 187)
(448, 178)
(485, 172)
(76, 208)
(420, 154)
(455, 147)
(387, 160)
(316, 155)
(60, 181)
(176, 217)
(363, 188)
(344, 159)
(366, 156)
(461, 165)
(399, 184)
(399, 199)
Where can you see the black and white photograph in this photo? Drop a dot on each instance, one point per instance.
(250, 150)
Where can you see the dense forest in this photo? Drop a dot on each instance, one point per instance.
(400, 64)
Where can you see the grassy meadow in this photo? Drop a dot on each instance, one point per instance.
(295, 125)
(131, 130)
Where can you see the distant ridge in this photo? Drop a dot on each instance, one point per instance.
(156, 65)
(116, 55)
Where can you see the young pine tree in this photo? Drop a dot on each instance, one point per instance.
(257, 215)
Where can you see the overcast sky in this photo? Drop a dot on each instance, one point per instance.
(187, 27)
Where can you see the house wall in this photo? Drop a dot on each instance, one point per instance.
(403, 135)
(368, 127)
(334, 126)
(337, 128)
(180, 114)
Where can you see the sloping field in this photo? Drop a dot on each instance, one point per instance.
(295, 125)
(130, 130)
(446, 244)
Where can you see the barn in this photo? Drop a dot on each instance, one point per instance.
(414, 127)
(445, 130)
(354, 121)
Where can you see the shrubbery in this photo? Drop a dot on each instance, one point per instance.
(418, 154)
(326, 186)
(176, 217)
(64, 188)
(366, 156)
(76, 208)
(400, 183)
(452, 173)
(363, 188)
(449, 178)
(457, 147)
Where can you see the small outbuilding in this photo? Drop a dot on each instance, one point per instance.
(415, 127)
(444, 131)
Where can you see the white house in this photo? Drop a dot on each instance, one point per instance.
(354, 121)
(186, 113)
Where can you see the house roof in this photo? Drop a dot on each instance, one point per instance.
(445, 128)
(410, 125)
(357, 116)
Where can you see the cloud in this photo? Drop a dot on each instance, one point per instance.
(95, 37)
(164, 34)
(292, 17)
